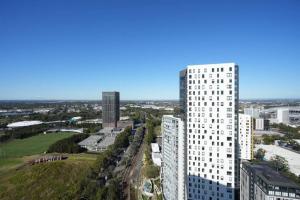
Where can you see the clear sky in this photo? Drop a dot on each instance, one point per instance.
(57, 49)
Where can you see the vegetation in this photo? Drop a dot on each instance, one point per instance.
(270, 139)
(89, 127)
(24, 147)
(285, 128)
(294, 145)
(54, 180)
(135, 144)
(68, 145)
(260, 154)
(150, 135)
(151, 171)
(99, 183)
(23, 132)
(279, 163)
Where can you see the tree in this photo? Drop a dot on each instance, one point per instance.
(68, 145)
(151, 171)
(260, 154)
(269, 139)
(279, 163)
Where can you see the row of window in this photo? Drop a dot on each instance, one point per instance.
(206, 81)
(217, 69)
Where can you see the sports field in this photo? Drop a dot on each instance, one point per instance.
(11, 152)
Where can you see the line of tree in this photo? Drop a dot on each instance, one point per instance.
(23, 132)
(68, 145)
(150, 170)
(290, 132)
(100, 184)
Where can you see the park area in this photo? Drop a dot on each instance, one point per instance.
(45, 180)
(13, 152)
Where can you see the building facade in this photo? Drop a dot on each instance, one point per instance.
(253, 112)
(262, 124)
(260, 182)
(212, 97)
(173, 156)
(110, 108)
(246, 137)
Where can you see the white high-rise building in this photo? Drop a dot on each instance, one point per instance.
(173, 157)
(246, 137)
(212, 96)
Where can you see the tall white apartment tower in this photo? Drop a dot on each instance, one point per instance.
(173, 157)
(246, 136)
(212, 95)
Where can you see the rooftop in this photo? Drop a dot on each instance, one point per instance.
(155, 148)
(91, 141)
(108, 140)
(292, 157)
(23, 123)
(270, 176)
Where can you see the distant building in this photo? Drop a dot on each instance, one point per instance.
(253, 112)
(260, 182)
(246, 137)
(98, 143)
(182, 91)
(173, 156)
(285, 115)
(262, 124)
(110, 108)
(91, 143)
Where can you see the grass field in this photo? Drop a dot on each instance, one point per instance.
(53, 180)
(12, 152)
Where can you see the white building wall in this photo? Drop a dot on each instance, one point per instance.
(245, 136)
(212, 131)
(283, 116)
(259, 124)
(173, 157)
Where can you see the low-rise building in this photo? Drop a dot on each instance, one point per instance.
(155, 154)
(260, 182)
(262, 124)
(91, 142)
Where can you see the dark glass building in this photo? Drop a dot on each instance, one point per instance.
(182, 91)
(110, 109)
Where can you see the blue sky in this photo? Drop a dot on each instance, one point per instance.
(56, 49)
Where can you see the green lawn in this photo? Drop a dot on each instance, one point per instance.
(53, 180)
(11, 151)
